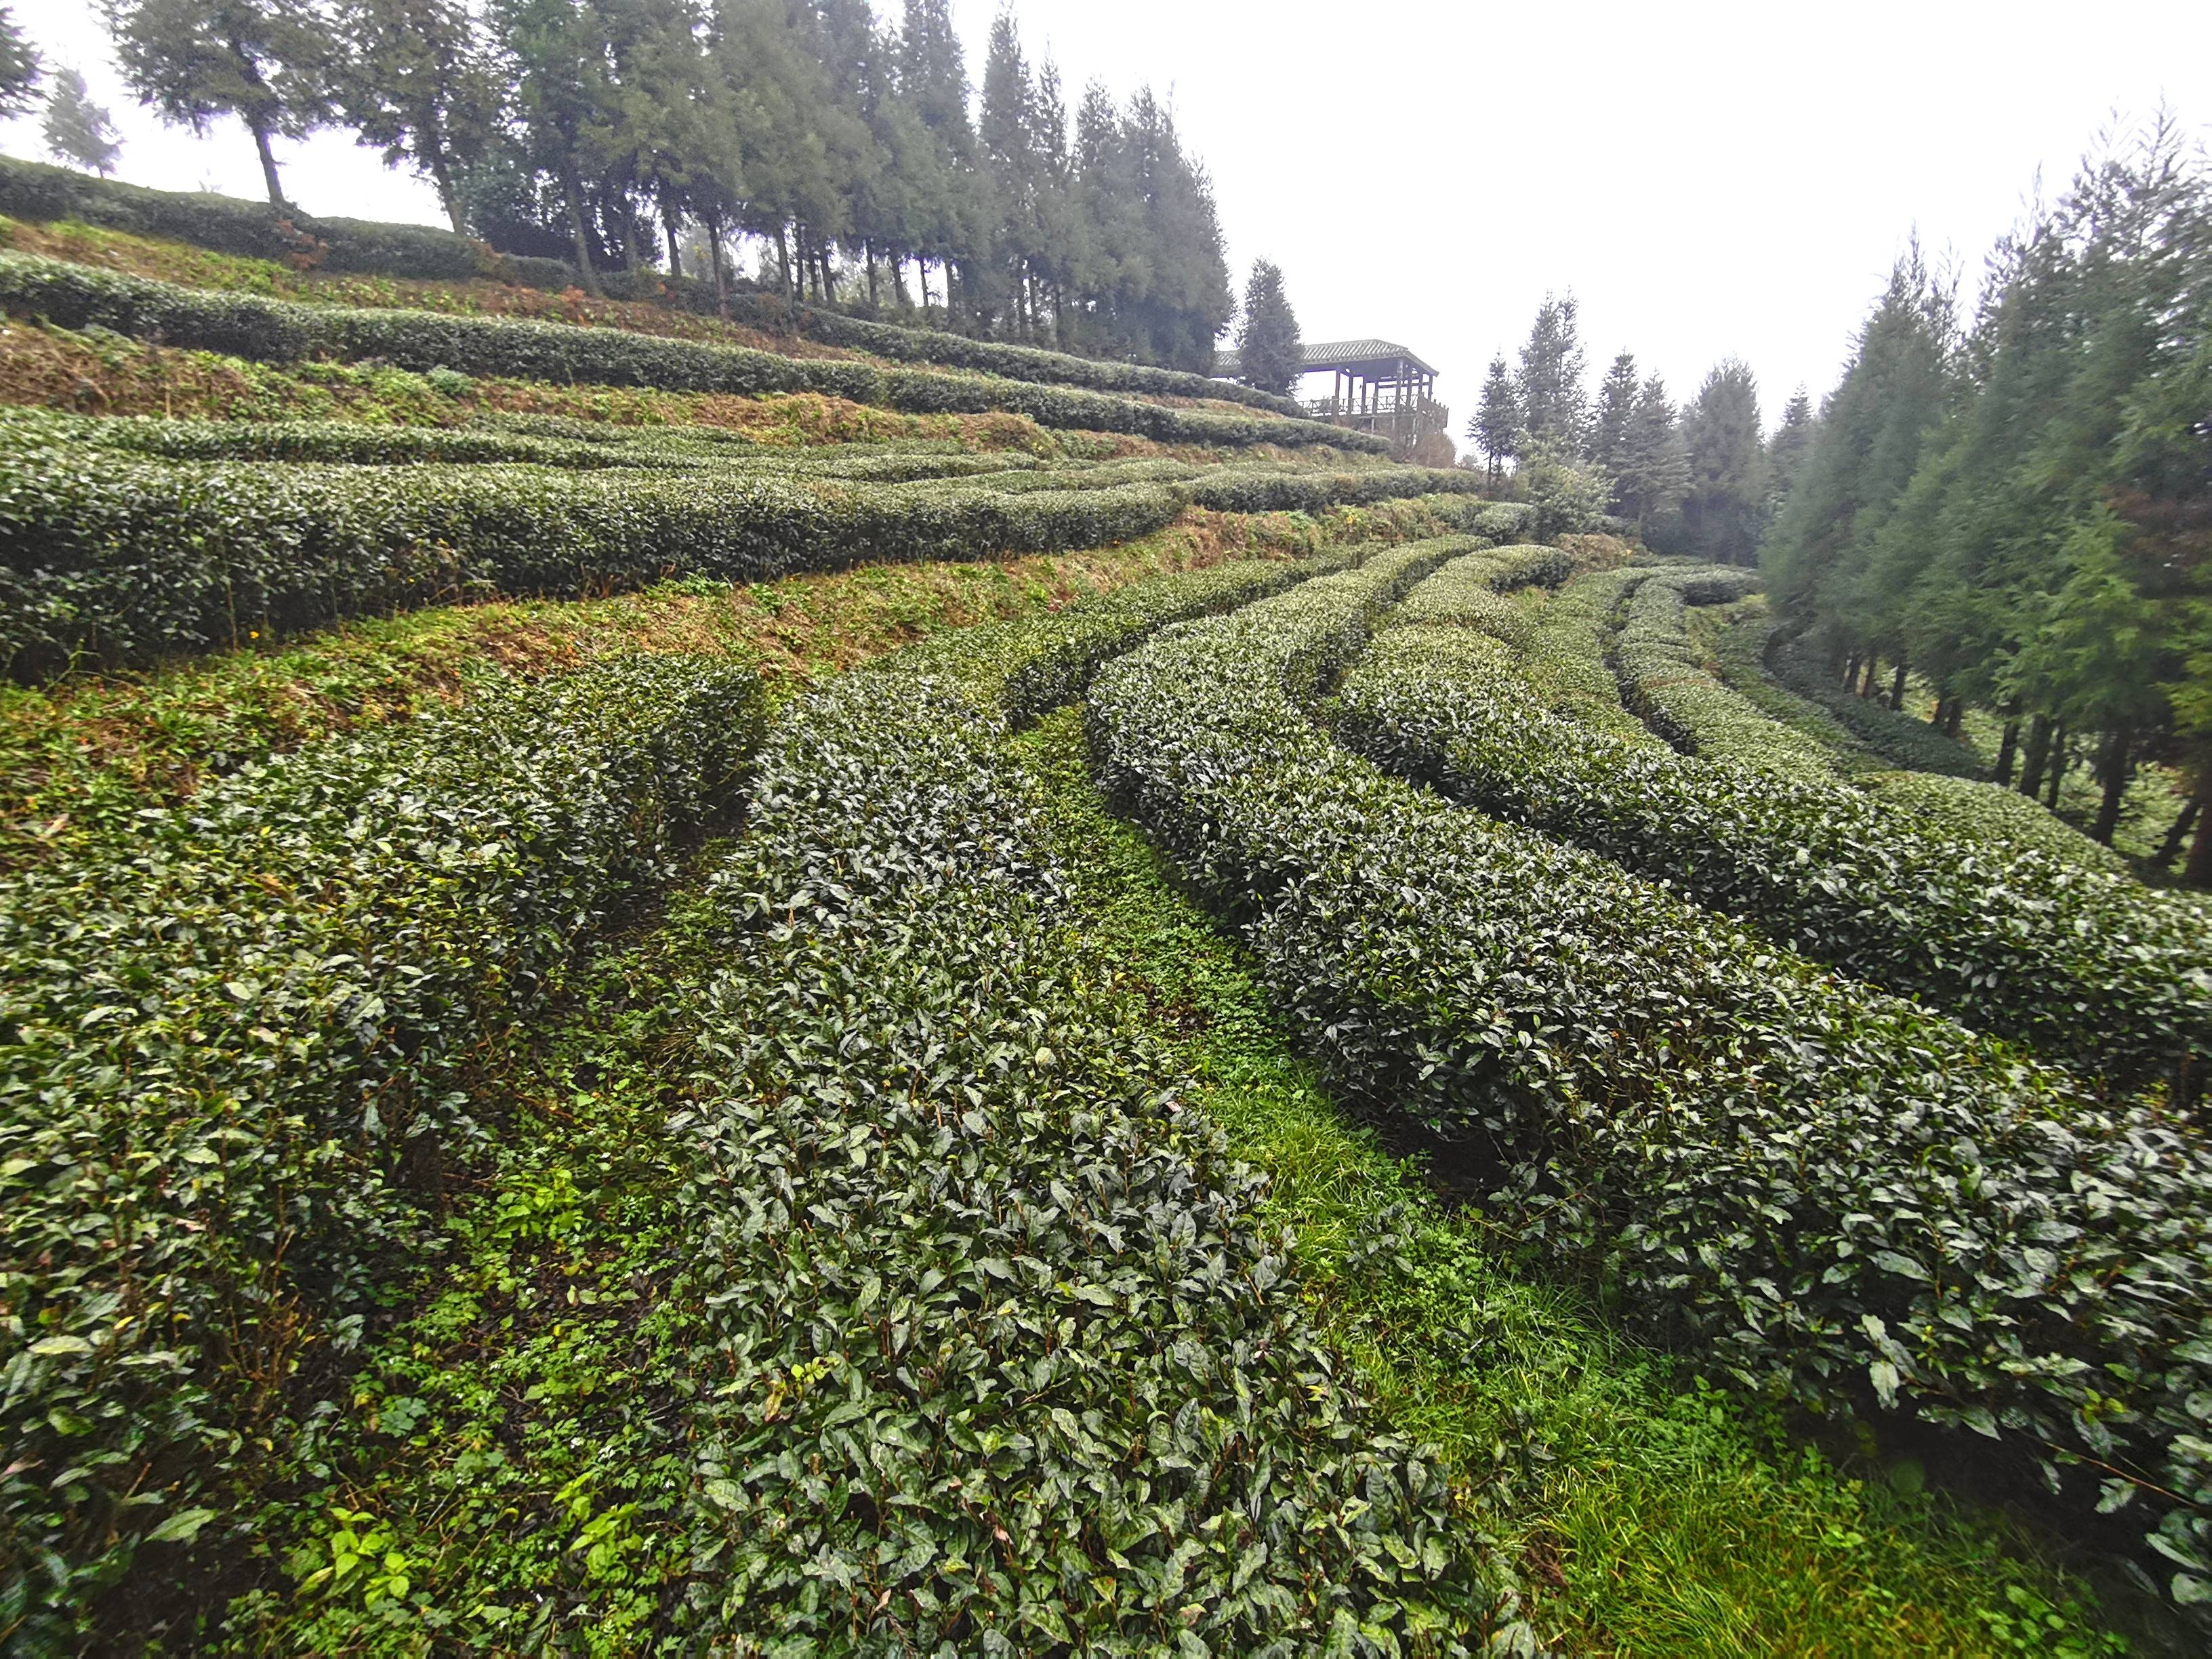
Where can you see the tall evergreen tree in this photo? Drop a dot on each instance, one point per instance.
(1616, 413)
(947, 225)
(556, 53)
(78, 131)
(1653, 470)
(1864, 450)
(21, 67)
(1269, 354)
(1498, 422)
(267, 62)
(1554, 403)
(1785, 450)
(1722, 507)
(1014, 178)
(412, 77)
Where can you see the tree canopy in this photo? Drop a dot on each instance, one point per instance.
(1269, 354)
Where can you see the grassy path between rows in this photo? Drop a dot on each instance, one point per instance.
(1652, 1516)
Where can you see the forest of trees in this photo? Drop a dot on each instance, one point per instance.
(1701, 479)
(655, 133)
(2020, 509)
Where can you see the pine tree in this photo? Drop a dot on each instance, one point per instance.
(1654, 471)
(1014, 170)
(1268, 353)
(1555, 406)
(1721, 509)
(267, 62)
(413, 79)
(21, 67)
(1785, 450)
(1498, 421)
(77, 131)
(1616, 412)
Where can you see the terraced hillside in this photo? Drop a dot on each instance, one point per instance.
(669, 989)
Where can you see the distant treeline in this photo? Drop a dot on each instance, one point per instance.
(2020, 510)
(1701, 479)
(627, 133)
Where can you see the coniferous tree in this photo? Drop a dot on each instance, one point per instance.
(21, 67)
(1785, 450)
(1654, 472)
(1269, 354)
(556, 51)
(1721, 509)
(933, 76)
(1498, 421)
(267, 62)
(1616, 413)
(1013, 175)
(413, 78)
(1555, 404)
(77, 131)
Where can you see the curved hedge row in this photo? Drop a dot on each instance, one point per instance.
(1470, 592)
(1989, 815)
(1845, 1200)
(1018, 363)
(1061, 1392)
(120, 561)
(258, 230)
(2093, 969)
(232, 1046)
(1566, 648)
(285, 330)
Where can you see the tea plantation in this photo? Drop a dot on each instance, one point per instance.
(700, 991)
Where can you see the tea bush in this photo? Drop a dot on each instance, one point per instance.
(236, 1044)
(2093, 968)
(1846, 1201)
(1908, 743)
(1009, 1362)
(285, 330)
(1018, 363)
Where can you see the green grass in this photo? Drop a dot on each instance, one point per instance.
(1652, 1514)
(505, 1469)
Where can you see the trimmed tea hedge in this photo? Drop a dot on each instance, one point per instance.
(1962, 808)
(1038, 1377)
(1568, 639)
(117, 562)
(2091, 969)
(285, 330)
(257, 230)
(1470, 592)
(232, 1044)
(1019, 362)
(1844, 1199)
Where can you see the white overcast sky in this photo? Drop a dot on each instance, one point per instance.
(1707, 178)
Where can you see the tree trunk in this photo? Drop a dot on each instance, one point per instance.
(829, 277)
(1866, 684)
(2117, 770)
(675, 251)
(922, 271)
(570, 192)
(2199, 873)
(442, 179)
(715, 257)
(2039, 755)
(1897, 687)
(260, 131)
(783, 261)
(1851, 673)
(2058, 763)
(2178, 832)
(868, 253)
(2008, 749)
(1956, 719)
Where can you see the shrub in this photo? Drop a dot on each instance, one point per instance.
(1844, 1199)
(1019, 362)
(1037, 1375)
(2091, 968)
(1568, 640)
(284, 330)
(117, 562)
(233, 1048)
(1963, 809)
(257, 230)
